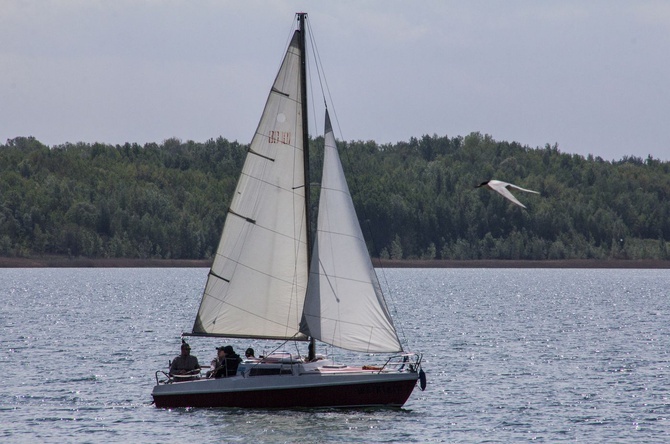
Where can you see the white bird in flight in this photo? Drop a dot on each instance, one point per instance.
(503, 188)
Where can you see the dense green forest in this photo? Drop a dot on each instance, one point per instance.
(415, 200)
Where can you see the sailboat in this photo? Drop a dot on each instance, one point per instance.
(273, 279)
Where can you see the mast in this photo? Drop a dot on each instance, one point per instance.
(305, 152)
(305, 131)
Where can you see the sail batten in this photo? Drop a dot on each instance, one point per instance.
(261, 155)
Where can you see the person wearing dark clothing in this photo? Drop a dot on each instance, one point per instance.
(217, 362)
(184, 364)
(230, 363)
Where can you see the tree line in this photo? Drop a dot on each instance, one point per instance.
(415, 199)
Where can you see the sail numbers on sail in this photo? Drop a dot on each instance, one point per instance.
(280, 137)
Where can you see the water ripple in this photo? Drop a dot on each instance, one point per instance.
(510, 356)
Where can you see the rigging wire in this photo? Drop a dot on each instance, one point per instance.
(317, 62)
(315, 121)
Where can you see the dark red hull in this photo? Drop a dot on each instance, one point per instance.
(368, 394)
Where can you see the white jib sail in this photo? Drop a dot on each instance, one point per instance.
(344, 306)
(258, 278)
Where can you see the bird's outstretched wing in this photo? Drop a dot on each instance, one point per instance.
(509, 185)
(503, 189)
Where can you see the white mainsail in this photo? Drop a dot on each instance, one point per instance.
(344, 305)
(257, 283)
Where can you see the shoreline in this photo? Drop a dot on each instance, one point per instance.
(511, 263)
(65, 262)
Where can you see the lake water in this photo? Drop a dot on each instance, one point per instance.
(510, 356)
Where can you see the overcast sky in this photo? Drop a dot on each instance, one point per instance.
(593, 77)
